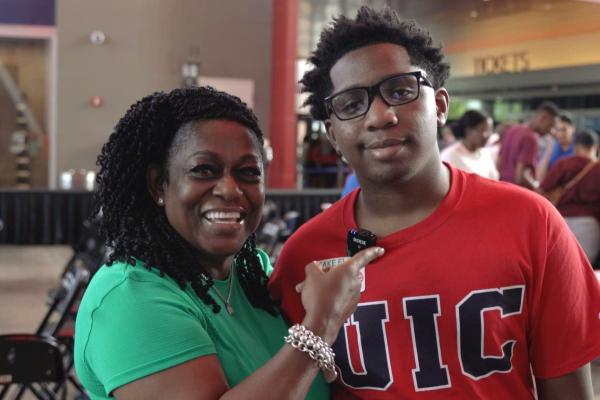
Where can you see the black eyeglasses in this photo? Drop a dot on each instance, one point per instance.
(394, 91)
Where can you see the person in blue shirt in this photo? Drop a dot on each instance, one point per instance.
(564, 146)
(558, 145)
(350, 184)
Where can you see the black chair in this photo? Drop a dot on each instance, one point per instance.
(59, 320)
(32, 362)
(269, 234)
(63, 308)
(63, 301)
(57, 326)
(89, 250)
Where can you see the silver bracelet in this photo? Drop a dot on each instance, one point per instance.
(304, 340)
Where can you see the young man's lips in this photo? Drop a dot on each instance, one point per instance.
(386, 150)
(381, 144)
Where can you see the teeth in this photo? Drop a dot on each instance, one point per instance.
(223, 215)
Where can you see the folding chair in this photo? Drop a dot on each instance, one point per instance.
(61, 310)
(89, 251)
(59, 320)
(88, 255)
(56, 328)
(32, 362)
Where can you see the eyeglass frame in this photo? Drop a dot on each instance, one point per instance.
(375, 89)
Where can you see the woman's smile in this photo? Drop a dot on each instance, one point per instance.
(224, 217)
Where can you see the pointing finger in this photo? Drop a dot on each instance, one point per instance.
(364, 257)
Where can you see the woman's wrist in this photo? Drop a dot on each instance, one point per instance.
(322, 327)
(303, 339)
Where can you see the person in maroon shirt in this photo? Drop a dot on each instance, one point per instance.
(581, 204)
(519, 150)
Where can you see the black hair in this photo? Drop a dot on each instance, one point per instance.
(586, 138)
(469, 119)
(369, 27)
(549, 107)
(566, 118)
(132, 224)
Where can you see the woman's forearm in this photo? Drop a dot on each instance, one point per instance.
(288, 375)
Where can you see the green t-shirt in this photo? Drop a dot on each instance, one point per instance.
(132, 323)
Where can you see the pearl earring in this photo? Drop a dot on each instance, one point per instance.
(160, 202)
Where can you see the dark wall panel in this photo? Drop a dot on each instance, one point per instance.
(27, 12)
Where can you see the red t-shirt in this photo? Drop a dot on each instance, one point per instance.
(463, 304)
(519, 144)
(583, 200)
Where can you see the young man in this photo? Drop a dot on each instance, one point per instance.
(481, 282)
(519, 151)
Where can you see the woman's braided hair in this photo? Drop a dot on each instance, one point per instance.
(132, 225)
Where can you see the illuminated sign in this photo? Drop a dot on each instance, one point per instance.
(497, 64)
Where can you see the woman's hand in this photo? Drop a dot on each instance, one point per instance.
(329, 298)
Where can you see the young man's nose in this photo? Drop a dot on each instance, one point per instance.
(227, 188)
(380, 115)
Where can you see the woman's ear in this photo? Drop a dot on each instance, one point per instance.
(154, 183)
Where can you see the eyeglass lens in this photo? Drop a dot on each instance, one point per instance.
(395, 91)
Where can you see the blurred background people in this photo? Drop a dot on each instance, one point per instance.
(519, 151)
(321, 162)
(580, 205)
(564, 145)
(495, 140)
(469, 153)
(350, 184)
(557, 146)
(446, 136)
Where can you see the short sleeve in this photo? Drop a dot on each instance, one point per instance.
(528, 151)
(565, 306)
(141, 328)
(265, 262)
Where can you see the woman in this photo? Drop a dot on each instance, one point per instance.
(181, 310)
(472, 131)
(580, 205)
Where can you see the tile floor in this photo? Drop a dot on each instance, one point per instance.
(28, 272)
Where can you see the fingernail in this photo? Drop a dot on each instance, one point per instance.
(380, 251)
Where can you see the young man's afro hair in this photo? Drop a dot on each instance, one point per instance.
(369, 27)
